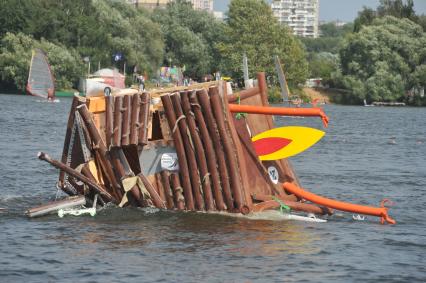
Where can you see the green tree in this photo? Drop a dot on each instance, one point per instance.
(385, 60)
(15, 57)
(191, 38)
(96, 28)
(395, 8)
(322, 65)
(365, 17)
(252, 29)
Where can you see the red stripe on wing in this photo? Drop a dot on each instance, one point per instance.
(267, 146)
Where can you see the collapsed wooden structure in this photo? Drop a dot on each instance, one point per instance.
(178, 148)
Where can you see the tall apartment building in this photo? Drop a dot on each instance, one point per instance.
(203, 5)
(300, 15)
(152, 4)
(149, 4)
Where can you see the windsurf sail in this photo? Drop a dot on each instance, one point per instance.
(40, 79)
(281, 77)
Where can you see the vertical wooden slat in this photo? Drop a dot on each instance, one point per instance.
(180, 150)
(200, 153)
(143, 118)
(126, 120)
(233, 167)
(189, 151)
(210, 153)
(204, 101)
(134, 121)
(116, 141)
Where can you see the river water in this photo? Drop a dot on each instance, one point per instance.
(367, 154)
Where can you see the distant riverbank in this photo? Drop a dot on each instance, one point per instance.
(322, 95)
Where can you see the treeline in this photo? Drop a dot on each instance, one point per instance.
(70, 31)
(380, 57)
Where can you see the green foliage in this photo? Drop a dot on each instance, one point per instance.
(190, 38)
(365, 17)
(332, 30)
(252, 29)
(322, 65)
(422, 21)
(15, 57)
(96, 29)
(322, 44)
(384, 60)
(397, 8)
(394, 8)
(274, 94)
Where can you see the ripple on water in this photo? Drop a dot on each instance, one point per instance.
(353, 162)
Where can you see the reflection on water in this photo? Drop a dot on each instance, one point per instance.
(176, 232)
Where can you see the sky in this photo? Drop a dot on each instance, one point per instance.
(331, 10)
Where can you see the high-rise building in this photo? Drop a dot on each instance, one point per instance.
(300, 15)
(203, 5)
(152, 4)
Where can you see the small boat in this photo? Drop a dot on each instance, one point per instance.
(41, 82)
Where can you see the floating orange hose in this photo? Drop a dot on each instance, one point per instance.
(283, 111)
(381, 212)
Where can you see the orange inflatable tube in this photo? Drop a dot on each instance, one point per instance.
(283, 111)
(381, 212)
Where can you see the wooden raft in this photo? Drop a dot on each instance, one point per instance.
(174, 149)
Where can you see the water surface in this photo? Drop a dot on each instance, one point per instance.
(368, 153)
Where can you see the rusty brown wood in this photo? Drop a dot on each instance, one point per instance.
(261, 80)
(244, 167)
(109, 120)
(230, 154)
(209, 150)
(189, 151)
(74, 173)
(177, 191)
(86, 172)
(143, 118)
(117, 161)
(70, 125)
(180, 150)
(100, 148)
(245, 140)
(204, 101)
(200, 153)
(243, 94)
(125, 133)
(116, 140)
(134, 120)
(165, 180)
(102, 179)
(155, 197)
(160, 187)
(78, 187)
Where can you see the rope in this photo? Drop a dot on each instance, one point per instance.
(282, 205)
(177, 122)
(206, 178)
(179, 191)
